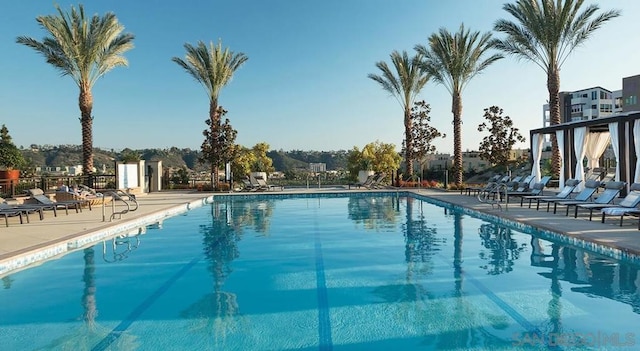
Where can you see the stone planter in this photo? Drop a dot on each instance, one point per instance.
(363, 175)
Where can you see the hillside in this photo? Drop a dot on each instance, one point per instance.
(70, 155)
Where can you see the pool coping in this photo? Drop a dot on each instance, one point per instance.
(34, 255)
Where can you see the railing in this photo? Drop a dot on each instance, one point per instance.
(122, 203)
(11, 188)
(497, 199)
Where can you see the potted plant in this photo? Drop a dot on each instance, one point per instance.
(11, 159)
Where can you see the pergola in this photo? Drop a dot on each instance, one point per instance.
(590, 138)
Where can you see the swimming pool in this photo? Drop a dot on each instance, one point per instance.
(333, 272)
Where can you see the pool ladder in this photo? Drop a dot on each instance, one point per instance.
(497, 200)
(128, 201)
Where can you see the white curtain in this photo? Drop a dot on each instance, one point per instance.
(596, 144)
(536, 141)
(613, 130)
(579, 143)
(636, 141)
(560, 139)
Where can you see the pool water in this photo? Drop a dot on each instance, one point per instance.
(360, 272)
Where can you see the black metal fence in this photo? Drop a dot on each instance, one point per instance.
(17, 187)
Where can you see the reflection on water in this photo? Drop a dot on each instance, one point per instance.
(597, 276)
(250, 214)
(503, 248)
(213, 314)
(374, 212)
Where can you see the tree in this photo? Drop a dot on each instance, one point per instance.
(213, 67)
(453, 60)
(262, 163)
(496, 147)
(423, 134)
(405, 84)
(10, 156)
(546, 32)
(218, 146)
(241, 164)
(376, 156)
(84, 49)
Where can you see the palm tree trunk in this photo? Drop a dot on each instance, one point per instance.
(85, 102)
(408, 141)
(553, 85)
(213, 128)
(456, 109)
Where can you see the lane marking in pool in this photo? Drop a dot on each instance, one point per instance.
(133, 316)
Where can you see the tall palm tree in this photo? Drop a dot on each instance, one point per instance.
(85, 49)
(546, 32)
(213, 67)
(452, 59)
(405, 84)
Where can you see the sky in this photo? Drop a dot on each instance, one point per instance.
(304, 86)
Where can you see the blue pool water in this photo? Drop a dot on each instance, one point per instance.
(360, 272)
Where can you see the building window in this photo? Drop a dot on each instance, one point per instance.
(594, 107)
(594, 95)
(606, 108)
(631, 100)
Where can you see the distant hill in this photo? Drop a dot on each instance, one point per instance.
(70, 155)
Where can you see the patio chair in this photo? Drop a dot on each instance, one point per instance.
(611, 191)
(7, 210)
(629, 203)
(569, 185)
(262, 184)
(590, 188)
(627, 207)
(45, 203)
(478, 189)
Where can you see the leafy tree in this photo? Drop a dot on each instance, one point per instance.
(213, 67)
(10, 156)
(453, 59)
(84, 49)
(241, 164)
(218, 146)
(496, 147)
(262, 162)
(423, 133)
(405, 84)
(546, 32)
(376, 156)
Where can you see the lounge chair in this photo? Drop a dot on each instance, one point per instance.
(611, 191)
(7, 210)
(45, 203)
(6, 213)
(590, 188)
(262, 184)
(627, 207)
(367, 182)
(629, 203)
(377, 180)
(569, 185)
(476, 190)
(247, 186)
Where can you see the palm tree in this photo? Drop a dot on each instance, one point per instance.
(213, 67)
(546, 32)
(84, 49)
(404, 86)
(452, 60)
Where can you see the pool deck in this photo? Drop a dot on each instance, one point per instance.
(23, 245)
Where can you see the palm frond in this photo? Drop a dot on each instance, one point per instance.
(212, 66)
(407, 79)
(82, 48)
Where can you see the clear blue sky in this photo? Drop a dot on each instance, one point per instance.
(305, 84)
